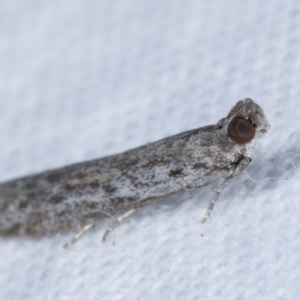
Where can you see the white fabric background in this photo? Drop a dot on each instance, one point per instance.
(84, 79)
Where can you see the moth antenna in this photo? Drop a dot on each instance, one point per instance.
(117, 223)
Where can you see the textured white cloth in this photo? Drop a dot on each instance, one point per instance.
(83, 79)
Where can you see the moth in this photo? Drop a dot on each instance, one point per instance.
(79, 196)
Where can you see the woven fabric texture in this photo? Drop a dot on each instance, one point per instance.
(83, 79)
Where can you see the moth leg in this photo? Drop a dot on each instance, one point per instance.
(78, 235)
(116, 223)
(240, 166)
(215, 198)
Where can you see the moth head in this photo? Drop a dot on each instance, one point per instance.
(246, 122)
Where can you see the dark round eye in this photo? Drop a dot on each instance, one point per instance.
(241, 130)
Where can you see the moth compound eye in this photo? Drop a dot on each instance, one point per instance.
(241, 130)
